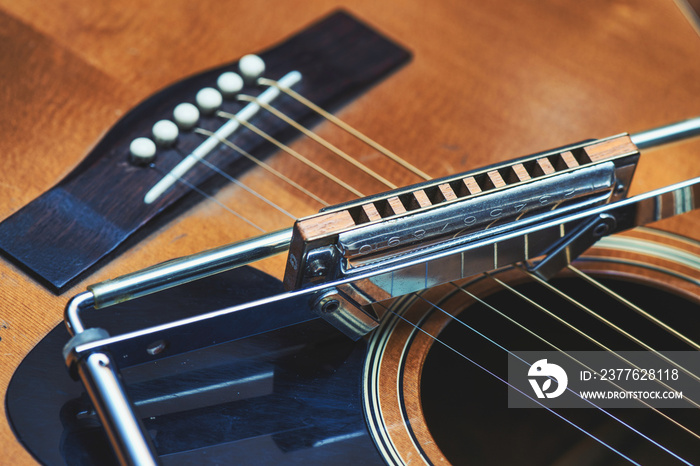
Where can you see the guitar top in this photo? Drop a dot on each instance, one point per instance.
(487, 82)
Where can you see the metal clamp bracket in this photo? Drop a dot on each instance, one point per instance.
(573, 245)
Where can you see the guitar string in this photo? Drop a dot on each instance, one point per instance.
(281, 146)
(345, 127)
(492, 341)
(345, 156)
(298, 156)
(602, 319)
(292, 152)
(504, 381)
(634, 307)
(286, 119)
(269, 138)
(263, 165)
(576, 329)
(241, 185)
(208, 197)
(555, 347)
(318, 139)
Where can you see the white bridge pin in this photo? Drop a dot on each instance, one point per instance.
(142, 150)
(252, 67)
(229, 83)
(165, 132)
(208, 100)
(186, 116)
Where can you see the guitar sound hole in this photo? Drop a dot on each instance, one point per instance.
(466, 409)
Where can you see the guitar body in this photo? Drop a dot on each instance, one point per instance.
(304, 394)
(487, 83)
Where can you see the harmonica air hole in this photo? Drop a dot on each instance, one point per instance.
(383, 207)
(568, 160)
(557, 162)
(508, 175)
(409, 201)
(434, 194)
(363, 214)
(459, 188)
(532, 168)
(581, 156)
(483, 181)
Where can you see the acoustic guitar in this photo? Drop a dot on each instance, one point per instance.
(485, 83)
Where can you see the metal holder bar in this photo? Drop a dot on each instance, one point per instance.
(87, 353)
(102, 381)
(124, 429)
(667, 134)
(190, 268)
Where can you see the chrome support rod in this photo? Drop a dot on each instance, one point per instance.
(101, 379)
(667, 134)
(221, 325)
(187, 269)
(73, 309)
(87, 349)
(190, 268)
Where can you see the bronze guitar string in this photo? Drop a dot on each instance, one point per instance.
(345, 127)
(483, 368)
(310, 134)
(634, 307)
(354, 191)
(264, 166)
(293, 153)
(555, 347)
(617, 328)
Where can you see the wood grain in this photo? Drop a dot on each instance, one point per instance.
(490, 81)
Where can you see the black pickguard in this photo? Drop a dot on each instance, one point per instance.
(291, 396)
